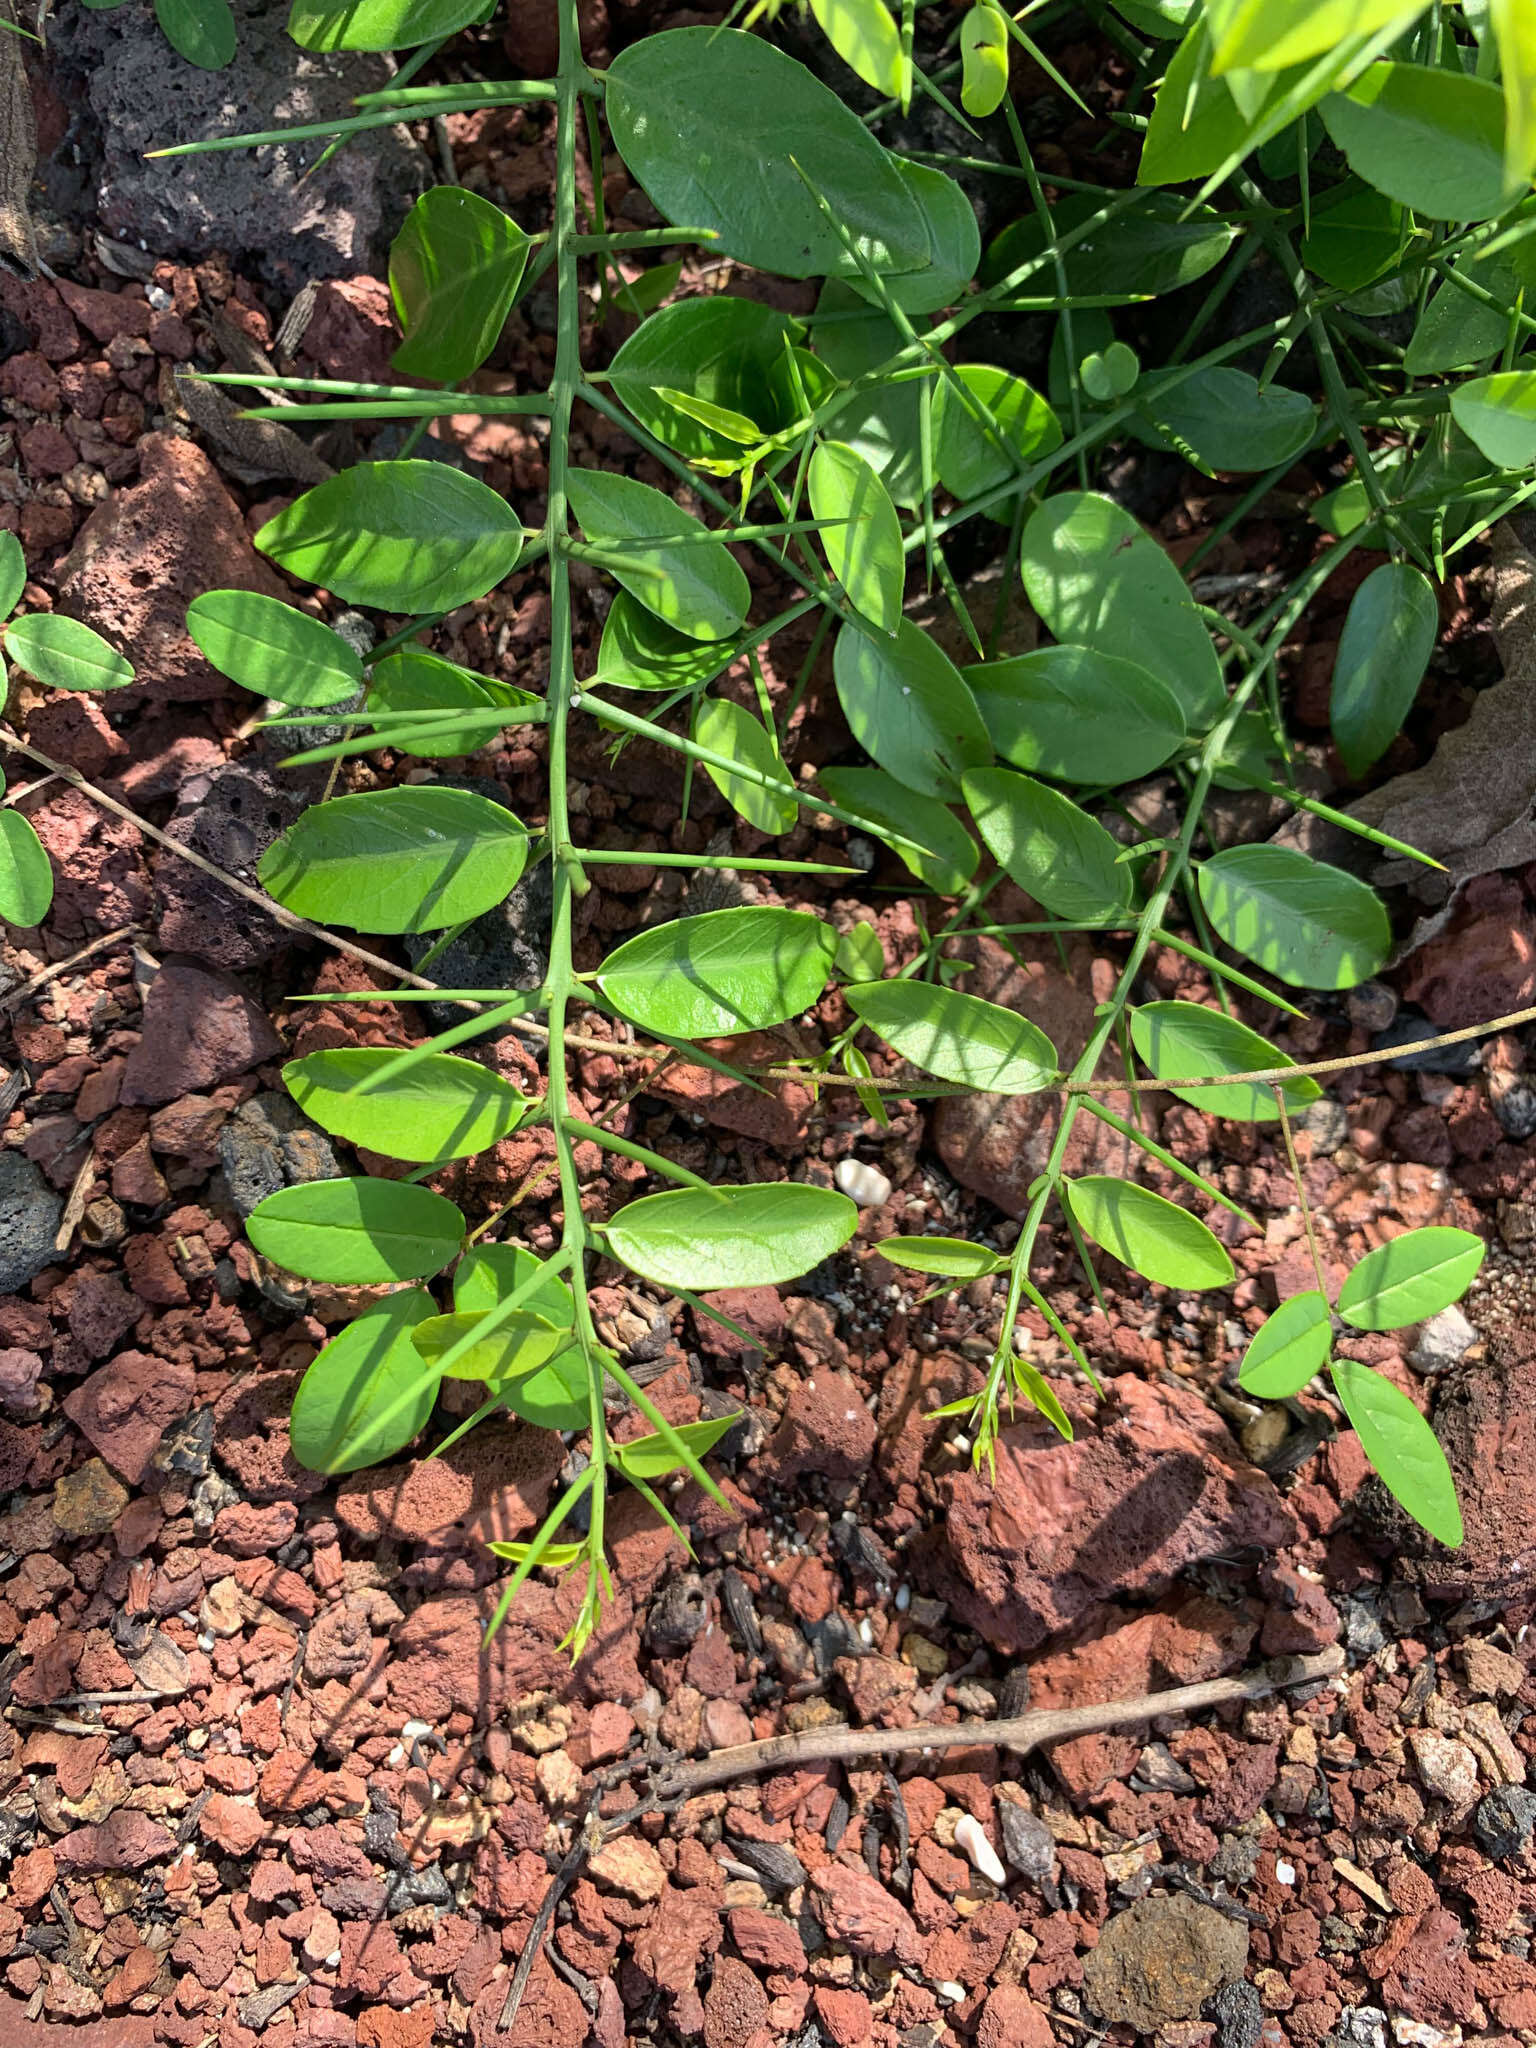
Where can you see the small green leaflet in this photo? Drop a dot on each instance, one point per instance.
(13, 573)
(910, 708)
(1430, 138)
(1230, 423)
(1186, 1039)
(860, 955)
(864, 546)
(891, 807)
(1267, 35)
(752, 1236)
(652, 1457)
(400, 536)
(490, 1274)
(1078, 715)
(730, 729)
(368, 1392)
(1498, 416)
(410, 859)
(1384, 650)
(378, 24)
(1051, 848)
(948, 1258)
(1196, 124)
(720, 350)
(274, 649)
(714, 122)
(865, 36)
(1152, 248)
(1356, 234)
(1099, 581)
(1290, 1349)
(26, 874)
(1149, 1234)
(1402, 1447)
(957, 1036)
(1109, 373)
(202, 31)
(641, 652)
(442, 1108)
(413, 680)
(352, 1231)
(969, 458)
(661, 554)
(519, 1343)
(454, 270)
(1410, 1277)
(1456, 332)
(721, 972)
(63, 654)
(983, 59)
(1309, 924)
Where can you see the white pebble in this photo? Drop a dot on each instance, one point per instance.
(396, 1755)
(951, 1992)
(971, 1836)
(1285, 1873)
(903, 1599)
(413, 1731)
(862, 1183)
(333, 1960)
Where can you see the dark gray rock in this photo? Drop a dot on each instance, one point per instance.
(230, 818)
(29, 1222)
(1239, 2016)
(1515, 1108)
(779, 1868)
(1411, 1027)
(506, 948)
(252, 204)
(266, 1145)
(1505, 1822)
(411, 1888)
(1027, 1842)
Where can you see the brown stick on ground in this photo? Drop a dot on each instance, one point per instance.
(1021, 1734)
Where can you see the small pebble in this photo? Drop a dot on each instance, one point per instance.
(1285, 1873)
(971, 1838)
(413, 1731)
(862, 1183)
(1442, 1341)
(949, 1991)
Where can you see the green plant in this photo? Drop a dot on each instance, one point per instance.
(1364, 156)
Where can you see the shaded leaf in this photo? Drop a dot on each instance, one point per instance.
(454, 270)
(1384, 649)
(274, 649)
(910, 708)
(864, 545)
(730, 729)
(952, 853)
(1078, 715)
(696, 585)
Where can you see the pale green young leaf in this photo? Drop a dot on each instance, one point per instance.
(695, 586)
(864, 34)
(1267, 35)
(1289, 1349)
(401, 536)
(641, 652)
(1429, 138)
(413, 680)
(969, 458)
(26, 873)
(454, 270)
(368, 1392)
(1177, 1039)
(947, 1258)
(1410, 1277)
(1196, 124)
(1309, 924)
(1402, 1447)
(409, 859)
(752, 1236)
(1514, 27)
(983, 59)
(350, 1232)
(1384, 649)
(652, 1457)
(730, 729)
(959, 1037)
(442, 1108)
(1498, 415)
(274, 649)
(63, 654)
(1078, 715)
(863, 544)
(1148, 1233)
(516, 1344)
(1050, 847)
(721, 972)
(889, 806)
(860, 955)
(910, 708)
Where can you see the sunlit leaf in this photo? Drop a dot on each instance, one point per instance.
(752, 1236)
(1148, 1233)
(1289, 1350)
(1411, 1277)
(720, 972)
(351, 1231)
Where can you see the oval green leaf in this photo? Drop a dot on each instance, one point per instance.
(1187, 1039)
(1223, 420)
(1050, 847)
(1411, 1277)
(368, 1392)
(1148, 1233)
(1308, 924)
(378, 24)
(959, 1037)
(721, 972)
(26, 873)
(1498, 415)
(977, 454)
(520, 1343)
(661, 554)
(274, 649)
(1428, 137)
(1154, 247)
(652, 1457)
(349, 1232)
(752, 1236)
(864, 544)
(400, 536)
(1289, 1349)
(983, 59)
(1403, 1448)
(947, 1258)
(721, 351)
(1078, 715)
(954, 245)
(1384, 649)
(910, 708)
(413, 680)
(730, 729)
(889, 807)
(641, 652)
(454, 270)
(442, 1108)
(864, 34)
(202, 31)
(63, 654)
(413, 859)
(490, 1274)
(13, 572)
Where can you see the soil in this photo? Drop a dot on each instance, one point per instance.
(259, 1784)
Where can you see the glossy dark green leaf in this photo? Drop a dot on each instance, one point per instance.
(1078, 715)
(1307, 923)
(660, 555)
(442, 1108)
(454, 270)
(349, 1232)
(863, 542)
(1384, 649)
(1430, 138)
(730, 729)
(1187, 1039)
(891, 807)
(720, 349)
(954, 242)
(410, 859)
(1098, 580)
(714, 121)
(413, 680)
(1458, 332)
(63, 654)
(641, 652)
(274, 649)
(1152, 248)
(1410, 1277)
(368, 1392)
(910, 708)
(721, 972)
(1289, 1350)
(970, 459)
(400, 536)
(1148, 1233)
(753, 1236)
(26, 873)
(1226, 421)
(957, 1036)
(1050, 847)
(947, 1258)
(202, 31)
(1402, 1447)
(378, 24)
